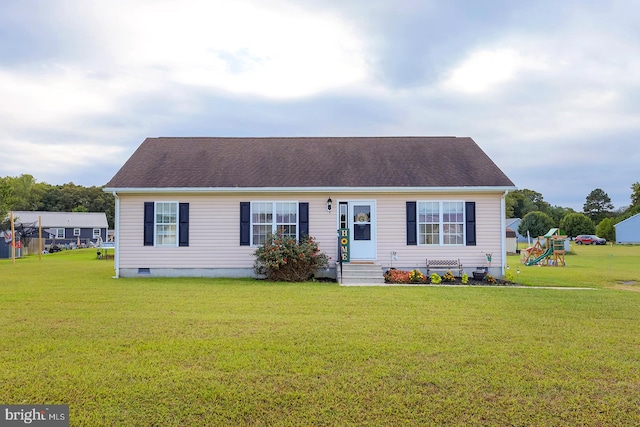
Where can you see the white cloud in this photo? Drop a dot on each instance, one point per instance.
(53, 159)
(485, 69)
(52, 97)
(266, 48)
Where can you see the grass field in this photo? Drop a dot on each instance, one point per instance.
(607, 266)
(183, 352)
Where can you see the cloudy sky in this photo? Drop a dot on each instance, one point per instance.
(549, 89)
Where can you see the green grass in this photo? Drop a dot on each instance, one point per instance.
(586, 266)
(182, 352)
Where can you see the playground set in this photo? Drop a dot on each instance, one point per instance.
(550, 254)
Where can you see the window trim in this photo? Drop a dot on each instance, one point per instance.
(274, 223)
(441, 223)
(76, 232)
(98, 234)
(64, 234)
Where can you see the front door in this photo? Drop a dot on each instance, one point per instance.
(362, 226)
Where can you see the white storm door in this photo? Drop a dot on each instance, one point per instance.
(362, 223)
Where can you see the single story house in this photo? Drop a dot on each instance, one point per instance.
(628, 231)
(64, 228)
(200, 206)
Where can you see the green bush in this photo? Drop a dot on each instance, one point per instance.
(606, 230)
(284, 259)
(435, 278)
(536, 223)
(574, 224)
(509, 276)
(416, 276)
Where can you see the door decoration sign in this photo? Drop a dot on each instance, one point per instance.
(343, 234)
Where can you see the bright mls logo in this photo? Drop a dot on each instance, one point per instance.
(34, 415)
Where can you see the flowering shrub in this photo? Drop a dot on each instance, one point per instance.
(435, 278)
(448, 276)
(416, 276)
(509, 276)
(283, 258)
(489, 279)
(465, 278)
(396, 276)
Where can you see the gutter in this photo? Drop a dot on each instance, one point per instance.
(397, 189)
(116, 251)
(503, 227)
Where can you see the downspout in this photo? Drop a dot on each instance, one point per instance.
(503, 225)
(116, 249)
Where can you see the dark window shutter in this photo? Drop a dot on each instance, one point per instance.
(470, 215)
(245, 223)
(303, 219)
(148, 223)
(183, 224)
(412, 226)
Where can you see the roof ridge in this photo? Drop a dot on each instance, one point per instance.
(310, 137)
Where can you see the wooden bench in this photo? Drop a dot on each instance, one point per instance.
(444, 264)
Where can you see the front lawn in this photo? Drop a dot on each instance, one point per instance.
(240, 352)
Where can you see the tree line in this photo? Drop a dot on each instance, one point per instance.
(24, 193)
(598, 215)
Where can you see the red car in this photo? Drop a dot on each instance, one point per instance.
(589, 239)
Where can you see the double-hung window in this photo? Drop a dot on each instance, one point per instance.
(429, 223)
(452, 223)
(441, 223)
(166, 224)
(273, 218)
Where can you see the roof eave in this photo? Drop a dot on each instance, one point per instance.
(205, 190)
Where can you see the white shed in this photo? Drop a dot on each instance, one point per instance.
(628, 231)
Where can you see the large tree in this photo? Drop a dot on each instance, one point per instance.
(574, 224)
(5, 199)
(536, 223)
(598, 205)
(521, 202)
(635, 194)
(24, 193)
(558, 213)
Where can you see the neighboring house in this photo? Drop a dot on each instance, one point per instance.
(514, 223)
(6, 239)
(201, 206)
(66, 228)
(628, 231)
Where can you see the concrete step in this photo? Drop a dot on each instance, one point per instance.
(359, 274)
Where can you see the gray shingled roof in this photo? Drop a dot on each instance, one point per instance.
(309, 162)
(63, 219)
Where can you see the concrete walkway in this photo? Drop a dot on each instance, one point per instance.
(414, 285)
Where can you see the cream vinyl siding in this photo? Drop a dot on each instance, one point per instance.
(214, 230)
(392, 229)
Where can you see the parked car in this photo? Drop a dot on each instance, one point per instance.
(589, 239)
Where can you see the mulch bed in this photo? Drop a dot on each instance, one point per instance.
(470, 282)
